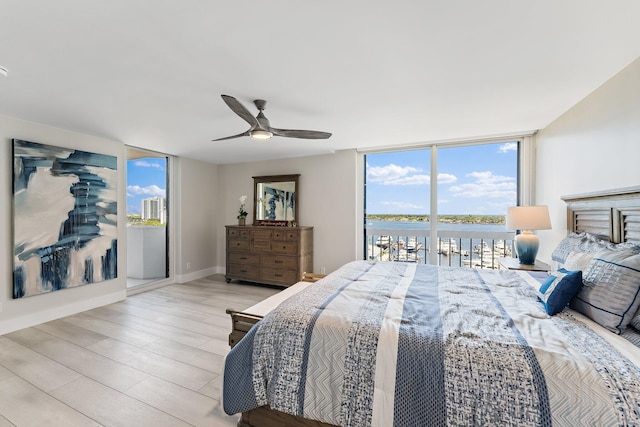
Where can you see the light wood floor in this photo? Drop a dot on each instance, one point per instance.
(154, 359)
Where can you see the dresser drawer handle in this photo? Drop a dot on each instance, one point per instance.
(277, 261)
(243, 257)
(278, 275)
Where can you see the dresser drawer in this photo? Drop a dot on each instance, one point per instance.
(238, 244)
(238, 233)
(244, 258)
(261, 240)
(243, 272)
(278, 275)
(286, 235)
(288, 248)
(280, 261)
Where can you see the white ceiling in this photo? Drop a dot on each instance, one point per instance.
(150, 73)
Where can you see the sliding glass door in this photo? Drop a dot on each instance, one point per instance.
(148, 217)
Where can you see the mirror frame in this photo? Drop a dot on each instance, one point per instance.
(275, 178)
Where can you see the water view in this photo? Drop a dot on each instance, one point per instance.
(470, 186)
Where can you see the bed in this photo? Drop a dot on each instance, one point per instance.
(405, 344)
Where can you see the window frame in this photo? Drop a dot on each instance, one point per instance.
(525, 177)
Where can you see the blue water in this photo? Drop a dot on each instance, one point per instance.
(442, 226)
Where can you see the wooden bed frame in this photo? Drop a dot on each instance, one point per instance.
(612, 215)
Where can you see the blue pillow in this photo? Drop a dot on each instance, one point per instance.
(558, 289)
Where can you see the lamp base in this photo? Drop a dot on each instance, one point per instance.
(527, 245)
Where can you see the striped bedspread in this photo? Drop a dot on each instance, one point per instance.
(398, 344)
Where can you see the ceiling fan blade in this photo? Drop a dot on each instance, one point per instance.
(304, 134)
(247, 133)
(240, 110)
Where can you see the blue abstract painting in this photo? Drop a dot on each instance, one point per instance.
(279, 204)
(65, 218)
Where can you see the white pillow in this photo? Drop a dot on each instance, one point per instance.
(578, 260)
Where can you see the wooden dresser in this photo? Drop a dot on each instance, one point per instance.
(267, 254)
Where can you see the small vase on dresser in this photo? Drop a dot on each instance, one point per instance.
(242, 221)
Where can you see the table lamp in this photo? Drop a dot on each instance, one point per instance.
(526, 219)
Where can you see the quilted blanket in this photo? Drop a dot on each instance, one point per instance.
(397, 344)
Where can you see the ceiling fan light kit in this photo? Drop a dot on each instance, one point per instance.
(261, 134)
(260, 126)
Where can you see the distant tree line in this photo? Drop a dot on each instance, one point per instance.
(452, 219)
(136, 219)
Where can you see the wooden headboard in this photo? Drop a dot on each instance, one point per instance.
(612, 214)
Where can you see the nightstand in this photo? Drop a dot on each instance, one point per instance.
(509, 263)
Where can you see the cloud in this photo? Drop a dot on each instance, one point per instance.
(409, 180)
(145, 164)
(404, 175)
(509, 146)
(446, 178)
(151, 191)
(389, 172)
(401, 205)
(486, 184)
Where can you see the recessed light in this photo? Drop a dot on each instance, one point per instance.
(3, 71)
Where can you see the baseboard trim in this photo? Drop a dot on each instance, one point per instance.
(200, 274)
(149, 286)
(32, 319)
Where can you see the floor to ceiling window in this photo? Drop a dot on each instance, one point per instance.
(459, 221)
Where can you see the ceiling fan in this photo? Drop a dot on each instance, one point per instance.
(260, 127)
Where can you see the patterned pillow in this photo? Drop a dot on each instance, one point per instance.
(610, 294)
(583, 242)
(558, 289)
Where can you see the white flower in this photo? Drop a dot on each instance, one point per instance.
(241, 212)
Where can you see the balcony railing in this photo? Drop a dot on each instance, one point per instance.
(477, 249)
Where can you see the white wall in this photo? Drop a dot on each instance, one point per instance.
(593, 146)
(19, 313)
(196, 218)
(327, 196)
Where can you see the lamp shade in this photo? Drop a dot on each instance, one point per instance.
(528, 218)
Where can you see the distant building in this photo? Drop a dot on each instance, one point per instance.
(154, 208)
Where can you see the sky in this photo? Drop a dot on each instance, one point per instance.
(478, 179)
(145, 178)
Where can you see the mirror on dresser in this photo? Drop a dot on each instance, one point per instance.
(275, 200)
